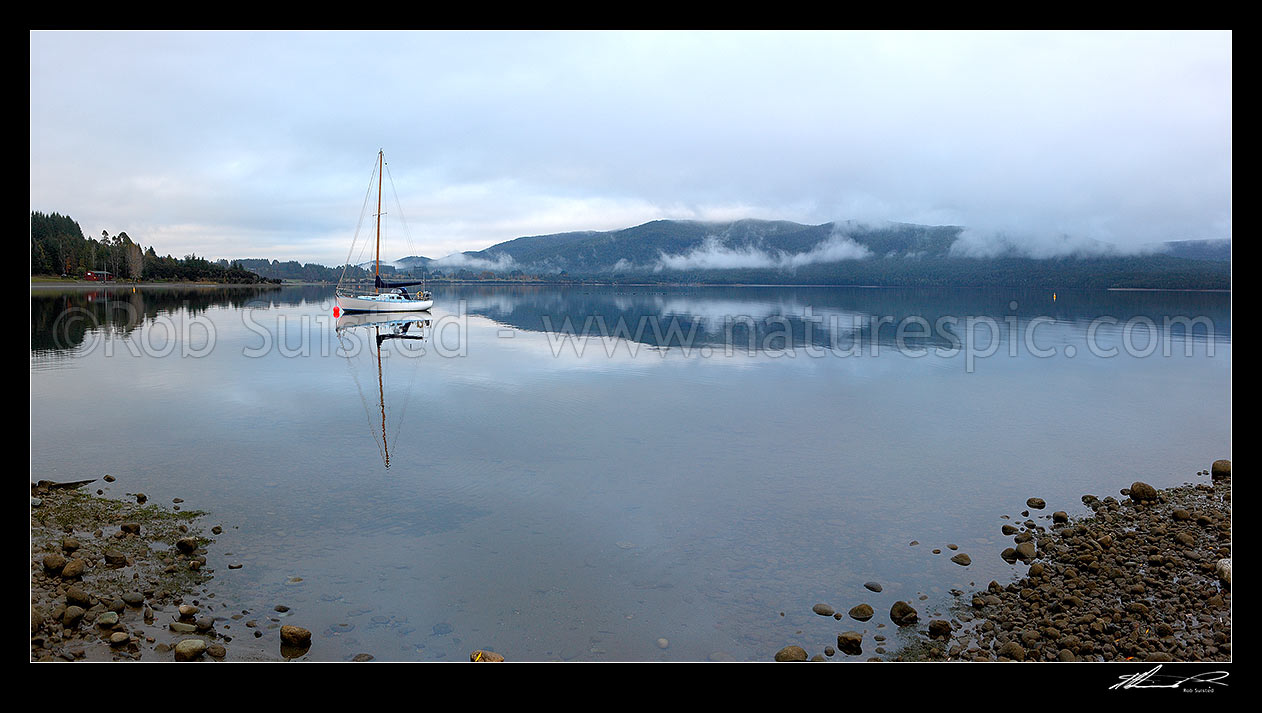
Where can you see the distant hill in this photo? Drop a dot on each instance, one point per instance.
(1198, 249)
(839, 253)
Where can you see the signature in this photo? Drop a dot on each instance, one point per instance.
(1150, 679)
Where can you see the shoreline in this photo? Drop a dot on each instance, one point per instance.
(1142, 579)
(1139, 579)
(86, 286)
(126, 580)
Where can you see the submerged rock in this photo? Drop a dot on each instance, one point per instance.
(791, 653)
(903, 614)
(861, 612)
(850, 642)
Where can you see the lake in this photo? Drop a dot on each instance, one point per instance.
(619, 473)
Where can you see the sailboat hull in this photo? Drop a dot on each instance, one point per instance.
(382, 303)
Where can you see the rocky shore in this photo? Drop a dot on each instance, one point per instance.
(1142, 577)
(117, 580)
(128, 580)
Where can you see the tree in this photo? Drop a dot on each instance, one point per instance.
(135, 261)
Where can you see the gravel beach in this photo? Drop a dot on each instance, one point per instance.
(1145, 576)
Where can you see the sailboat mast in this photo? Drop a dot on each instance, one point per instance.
(377, 271)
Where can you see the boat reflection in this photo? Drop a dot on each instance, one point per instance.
(406, 331)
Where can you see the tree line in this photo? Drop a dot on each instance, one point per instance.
(58, 247)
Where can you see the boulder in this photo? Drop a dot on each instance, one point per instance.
(1141, 492)
(1220, 469)
(791, 653)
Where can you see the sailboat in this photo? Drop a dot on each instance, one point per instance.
(403, 326)
(395, 297)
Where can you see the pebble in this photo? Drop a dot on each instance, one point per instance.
(190, 650)
(823, 610)
(873, 586)
(663, 643)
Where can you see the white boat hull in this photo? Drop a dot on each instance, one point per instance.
(382, 303)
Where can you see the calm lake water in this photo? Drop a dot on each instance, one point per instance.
(575, 473)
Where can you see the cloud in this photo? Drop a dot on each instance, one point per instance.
(988, 244)
(456, 261)
(713, 254)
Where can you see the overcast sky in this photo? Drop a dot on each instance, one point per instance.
(262, 144)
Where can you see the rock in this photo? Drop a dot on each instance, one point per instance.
(1012, 650)
(141, 498)
(872, 586)
(133, 599)
(962, 559)
(1035, 503)
(181, 627)
(108, 479)
(107, 619)
(850, 642)
(295, 636)
(823, 610)
(1009, 554)
(115, 557)
(188, 611)
(36, 502)
(281, 608)
(217, 651)
(69, 544)
(120, 638)
(903, 614)
(1222, 568)
(53, 562)
(861, 612)
(75, 595)
(216, 530)
(939, 629)
(1009, 530)
(1141, 492)
(483, 656)
(73, 569)
(663, 643)
(829, 651)
(791, 653)
(130, 528)
(1060, 516)
(1026, 550)
(1220, 469)
(72, 616)
(190, 650)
